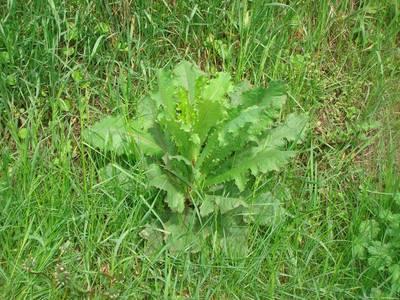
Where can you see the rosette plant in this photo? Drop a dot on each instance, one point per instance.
(204, 141)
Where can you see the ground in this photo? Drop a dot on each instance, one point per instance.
(65, 64)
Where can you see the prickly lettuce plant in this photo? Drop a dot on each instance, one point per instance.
(205, 140)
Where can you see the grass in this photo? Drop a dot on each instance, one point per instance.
(64, 64)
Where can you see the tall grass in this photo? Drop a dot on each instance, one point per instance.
(64, 233)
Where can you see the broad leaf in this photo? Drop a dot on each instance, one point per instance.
(186, 75)
(154, 238)
(183, 233)
(257, 160)
(264, 210)
(217, 88)
(221, 204)
(232, 237)
(175, 197)
(165, 96)
(291, 130)
(110, 134)
(114, 134)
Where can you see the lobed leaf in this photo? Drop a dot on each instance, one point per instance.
(154, 238)
(219, 204)
(258, 160)
(291, 130)
(110, 134)
(175, 197)
(183, 233)
(186, 75)
(264, 210)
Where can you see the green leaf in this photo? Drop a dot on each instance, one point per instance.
(175, 198)
(234, 242)
(182, 138)
(145, 142)
(233, 126)
(64, 105)
(237, 92)
(210, 113)
(380, 255)
(116, 177)
(77, 75)
(369, 230)
(112, 171)
(154, 239)
(180, 168)
(183, 233)
(11, 80)
(241, 181)
(217, 88)
(146, 113)
(254, 113)
(4, 57)
(396, 198)
(68, 51)
(221, 204)
(165, 96)
(162, 140)
(264, 210)
(141, 125)
(257, 160)
(292, 130)
(359, 248)
(23, 133)
(272, 98)
(110, 134)
(116, 135)
(395, 277)
(232, 237)
(186, 75)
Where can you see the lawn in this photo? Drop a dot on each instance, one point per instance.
(66, 233)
